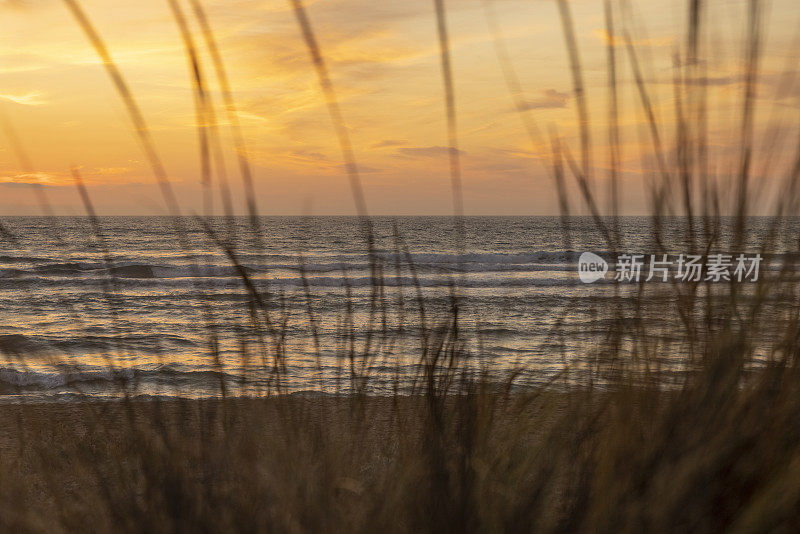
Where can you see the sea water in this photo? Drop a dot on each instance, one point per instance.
(185, 306)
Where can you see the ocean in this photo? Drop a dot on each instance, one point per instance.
(165, 306)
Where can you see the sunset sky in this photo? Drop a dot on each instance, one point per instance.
(383, 57)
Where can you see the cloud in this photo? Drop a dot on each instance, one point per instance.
(28, 99)
(111, 171)
(503, 161)
(308, 155)
(362, 169)
(15, 4)
(551, 99)
(719, 79)
(24, 184)
(359, 52)
(778, 86)
(425, 151)
(710, 80)
(388, 143)
(731, 79)
(619, 40)
(15, 62)
(27, 179)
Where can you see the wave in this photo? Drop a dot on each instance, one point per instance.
(169, 381)
(77, 377)
(312, 281)
(337, 259)
(20, 344)
(273, 266)
(129, 270)
(22, 259)
(423, 262)
(561, 256)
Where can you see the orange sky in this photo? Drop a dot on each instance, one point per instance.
(383, 58)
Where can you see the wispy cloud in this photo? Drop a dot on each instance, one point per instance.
(28, 99)
(112, 171)
(550, 99)
(29, 179)
(16, 4)
(389, 143)
(619, 40)
(425, 151)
